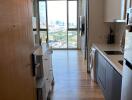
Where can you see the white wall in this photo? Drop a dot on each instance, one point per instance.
(98, 30)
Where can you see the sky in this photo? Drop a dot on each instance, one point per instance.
(57, 10)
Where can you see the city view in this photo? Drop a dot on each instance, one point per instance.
(58, 35)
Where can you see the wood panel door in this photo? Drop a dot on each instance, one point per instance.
(16, 45)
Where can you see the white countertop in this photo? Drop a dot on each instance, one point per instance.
(112, 59)
(42, 50)
(38, 51)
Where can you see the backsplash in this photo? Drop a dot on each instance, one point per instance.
(119, 30)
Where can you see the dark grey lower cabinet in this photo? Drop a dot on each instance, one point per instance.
(108, 78)
(116, 85)
(101, 72)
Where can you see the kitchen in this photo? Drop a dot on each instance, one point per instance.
(111, 62)
(107, 30)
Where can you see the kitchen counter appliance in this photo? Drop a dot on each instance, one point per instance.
(127, 68)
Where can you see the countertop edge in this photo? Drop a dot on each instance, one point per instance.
(107, 58)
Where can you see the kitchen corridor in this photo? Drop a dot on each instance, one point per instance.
(71, 79)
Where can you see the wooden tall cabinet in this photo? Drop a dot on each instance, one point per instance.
(16, 46)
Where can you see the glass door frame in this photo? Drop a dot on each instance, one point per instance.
(68, 29)
(43, 29)
(72, 29)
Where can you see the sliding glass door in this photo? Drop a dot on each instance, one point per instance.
(58, 23)
(72, 24)
(43, 29)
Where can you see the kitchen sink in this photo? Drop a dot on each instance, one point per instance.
(121, 62)
(113, 52)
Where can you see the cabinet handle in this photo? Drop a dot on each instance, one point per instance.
(33, 64)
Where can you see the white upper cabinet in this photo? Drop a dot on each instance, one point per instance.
(115, 10)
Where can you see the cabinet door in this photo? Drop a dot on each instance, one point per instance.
(47, 86)
(51, 68)
(109, 79)
(116, 85)
(101, 74)
(46, 66)
(113, 83)
(114, 10)
(46, 62)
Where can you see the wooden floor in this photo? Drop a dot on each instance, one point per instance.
(71, 79)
